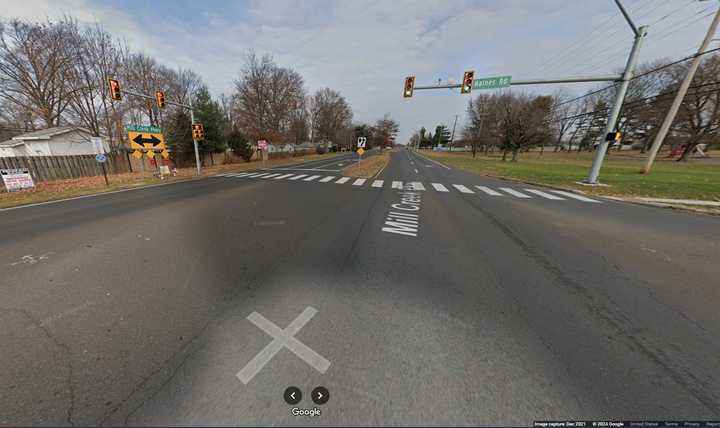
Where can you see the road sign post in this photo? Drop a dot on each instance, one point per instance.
(361, 141)
(100, 156)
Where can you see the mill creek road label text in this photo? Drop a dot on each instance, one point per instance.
(404, 216)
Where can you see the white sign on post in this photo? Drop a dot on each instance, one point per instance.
(17, 179)
(262, 144)
(361, 142)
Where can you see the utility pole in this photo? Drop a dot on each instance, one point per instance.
(452, 137)
(624, 83)
(665, 127)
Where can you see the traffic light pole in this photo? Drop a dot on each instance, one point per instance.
(192, 120)
(195, 143)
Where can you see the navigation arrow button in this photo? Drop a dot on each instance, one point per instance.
(320, 395)
(292, 395)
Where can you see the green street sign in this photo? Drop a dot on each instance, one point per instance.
(143, 128)
(492, 82)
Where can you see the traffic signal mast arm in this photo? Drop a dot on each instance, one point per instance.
(137, 94)
(605, 78)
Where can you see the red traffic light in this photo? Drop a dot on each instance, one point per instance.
(115, 93)
(467, 82)
(409, 86)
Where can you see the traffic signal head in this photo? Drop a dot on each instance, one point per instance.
(467, 82)
(115, 93)
(409, 86)
(160, 98)
(197, 131)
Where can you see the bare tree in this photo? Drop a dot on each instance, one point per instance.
(523, 122)
(563, 116)
(329, 114)
(34, 68)
(265, 98)
(384, 131)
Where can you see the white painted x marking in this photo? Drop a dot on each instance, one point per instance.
(282, 339)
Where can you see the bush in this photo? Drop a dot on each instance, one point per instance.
(239, 145)
(321, 150)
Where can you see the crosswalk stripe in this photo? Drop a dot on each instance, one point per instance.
(575, 196)
(416, 185)
(489, 191)
(462, 188)
(439, 187)
(298, 177)
(259, 175)
(244, 174)
(545, 195)
(515, 193)
(397, 185)
(256, 174)
(283, 176)
(328, 178)
(312, 177)
(377, 183)
(359, 182)
(272, 175)
(342, 180)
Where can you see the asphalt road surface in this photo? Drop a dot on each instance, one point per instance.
(424, 296)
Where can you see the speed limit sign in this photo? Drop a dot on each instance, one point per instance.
(361, 142)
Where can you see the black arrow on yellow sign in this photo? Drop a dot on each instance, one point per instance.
(140, 140)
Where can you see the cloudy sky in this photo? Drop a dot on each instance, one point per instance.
(364, 49)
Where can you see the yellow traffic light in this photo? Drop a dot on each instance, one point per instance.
(160, 98)
(197, 131)
(115, 93)
(409, 86)
(467, 82)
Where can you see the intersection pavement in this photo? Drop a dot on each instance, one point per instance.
(433, 298)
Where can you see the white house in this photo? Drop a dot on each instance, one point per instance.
(58, 141)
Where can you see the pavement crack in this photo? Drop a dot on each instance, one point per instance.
(605, 309)
(70, 411)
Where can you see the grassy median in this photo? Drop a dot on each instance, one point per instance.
(695, 179)
(369, 167)
(62, 189)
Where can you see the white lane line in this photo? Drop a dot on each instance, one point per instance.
(575, 196)
(439, 187)
(515, 193)
(377, 183)
(433, 161)
(312, 177)
(282, 338)
(272, 175)
(416, 185)
(283, 176)
(462, 188)
(342, 180)
(489, 191)
(328, 178)
(298, 177)
(359, 182)
(397, 185)
(545, 195)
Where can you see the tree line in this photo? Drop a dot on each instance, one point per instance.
(55, 73)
